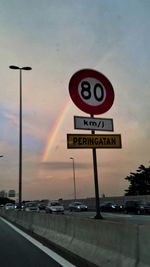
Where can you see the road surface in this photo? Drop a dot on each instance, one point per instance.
(119, 217)
(18, 249)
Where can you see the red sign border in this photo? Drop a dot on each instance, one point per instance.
(73, 90)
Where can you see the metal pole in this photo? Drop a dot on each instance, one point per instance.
(98, 214)
(20, 130)
(20, 143)
(74, 179)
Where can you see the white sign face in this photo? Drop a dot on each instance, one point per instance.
(89, 123)
(95, 96)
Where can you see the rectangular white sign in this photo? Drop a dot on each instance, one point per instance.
(97, 124)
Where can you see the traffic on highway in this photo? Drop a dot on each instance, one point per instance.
(131, 206)
(132, 211)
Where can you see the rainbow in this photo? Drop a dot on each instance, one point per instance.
(54, 130)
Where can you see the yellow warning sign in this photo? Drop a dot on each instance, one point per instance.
(94, 141)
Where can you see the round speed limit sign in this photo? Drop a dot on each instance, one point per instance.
(91, 91)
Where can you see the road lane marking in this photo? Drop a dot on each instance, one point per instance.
(49, 252)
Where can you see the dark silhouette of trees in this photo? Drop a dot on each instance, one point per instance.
(4, 200)
(139, 182)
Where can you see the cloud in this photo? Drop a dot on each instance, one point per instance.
(59, 165)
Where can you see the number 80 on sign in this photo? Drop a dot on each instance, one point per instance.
(91, 91)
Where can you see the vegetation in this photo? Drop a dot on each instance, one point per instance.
(139, 182)
(4, 200)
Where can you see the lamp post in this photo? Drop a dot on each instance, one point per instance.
(74, 178)
(20, 130)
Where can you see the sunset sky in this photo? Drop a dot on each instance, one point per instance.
(57, 38)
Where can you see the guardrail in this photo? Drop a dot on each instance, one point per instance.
(101, 242)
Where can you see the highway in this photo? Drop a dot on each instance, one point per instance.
(20, 250)
(118, 217)
(128, 218)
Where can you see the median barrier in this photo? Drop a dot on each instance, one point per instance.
(144, 246)
(103, 243)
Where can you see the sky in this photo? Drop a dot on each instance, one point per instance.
(57, 38)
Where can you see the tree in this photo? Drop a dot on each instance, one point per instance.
(139, 182)
(4, 200)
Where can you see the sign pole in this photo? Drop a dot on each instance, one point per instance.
(93, 93)
(98, 214)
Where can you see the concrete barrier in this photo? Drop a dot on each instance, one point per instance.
(144, 246)
(104, 243)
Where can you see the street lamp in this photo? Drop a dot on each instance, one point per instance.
(74, 180)
(20, 130)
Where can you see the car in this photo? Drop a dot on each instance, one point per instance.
(110, 207)
(77, 206)
(54, 207)
(9, 206)
(17, 206)
(138, 207)
(42, 204)
(31, 206)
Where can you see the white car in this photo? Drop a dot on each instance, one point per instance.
(9, 206)
(54, 207)
(31, 206)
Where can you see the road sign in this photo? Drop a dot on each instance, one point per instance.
(94, 141)
(91, 91)
(89, 123)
